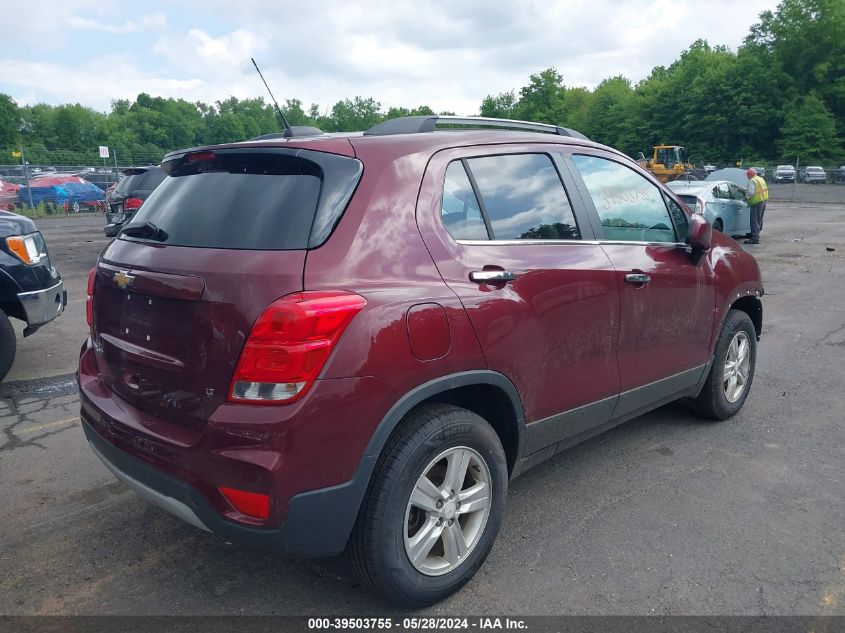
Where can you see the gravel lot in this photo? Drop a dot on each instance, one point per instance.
(664, 515)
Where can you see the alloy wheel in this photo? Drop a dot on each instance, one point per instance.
(447, 511)
(737, 366)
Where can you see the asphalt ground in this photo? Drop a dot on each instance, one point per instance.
(666, 514)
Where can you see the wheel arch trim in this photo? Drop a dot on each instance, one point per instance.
(443, 384)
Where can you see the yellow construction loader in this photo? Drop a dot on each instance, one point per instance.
(669, 162)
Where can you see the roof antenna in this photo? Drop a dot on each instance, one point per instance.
(288, 130)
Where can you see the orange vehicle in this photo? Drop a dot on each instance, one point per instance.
(669, 162)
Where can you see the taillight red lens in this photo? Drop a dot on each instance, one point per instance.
(289, 344)
(252, 504)
(132, 203)
(89, 302)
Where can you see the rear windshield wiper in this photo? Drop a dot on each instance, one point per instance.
(147, 230)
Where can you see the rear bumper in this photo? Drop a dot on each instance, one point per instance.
(308, 457)
(45, 305)
(318, 523)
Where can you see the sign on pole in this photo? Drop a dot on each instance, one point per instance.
(16, 153)
(104, 151)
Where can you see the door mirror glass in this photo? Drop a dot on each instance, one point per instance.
(700, 233)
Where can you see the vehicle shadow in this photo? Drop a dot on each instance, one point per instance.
(163, 566)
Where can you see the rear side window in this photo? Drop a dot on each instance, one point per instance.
(273, 200)
(630, 207)
(146, 180)
(459, 210)
(523, 197)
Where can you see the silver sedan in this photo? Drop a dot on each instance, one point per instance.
(720, 201)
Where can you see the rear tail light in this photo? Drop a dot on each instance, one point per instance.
(89, 302)
(699, 206)
(252, 504)
(289, 344)
(132, 203)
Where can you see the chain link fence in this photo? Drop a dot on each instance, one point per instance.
(37, 181)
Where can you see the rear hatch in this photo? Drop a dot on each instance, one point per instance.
(178, 292)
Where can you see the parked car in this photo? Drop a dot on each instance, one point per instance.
(30, 288)
(721, 202)
(8, 195)
(66, 192)
(761, 171)
(814, 175)
(103, 178)
(784, 173)
(710, 168)
(134, 187)
(839, 176)
(311, 342)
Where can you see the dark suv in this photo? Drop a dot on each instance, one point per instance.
(134, 187)
(312, 343)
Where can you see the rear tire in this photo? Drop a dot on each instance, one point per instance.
(732, 372)
(8, 345)
(718, 226)
(432, 442)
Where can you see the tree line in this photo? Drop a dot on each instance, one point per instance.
(781, 95)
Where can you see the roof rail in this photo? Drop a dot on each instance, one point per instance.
(414, 124)
(294, 131)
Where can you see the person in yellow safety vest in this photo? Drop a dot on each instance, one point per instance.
(756, 193)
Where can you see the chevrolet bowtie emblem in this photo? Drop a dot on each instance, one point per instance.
(123, 279)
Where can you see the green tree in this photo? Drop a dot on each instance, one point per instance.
(542, 99)
(809, 132)
(355, 114)
(805, 39)
(501, 106)
(10, 121)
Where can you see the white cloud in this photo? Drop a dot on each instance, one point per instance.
(155, 21)
(444, 54)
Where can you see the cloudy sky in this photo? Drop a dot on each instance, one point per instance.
(448, 55)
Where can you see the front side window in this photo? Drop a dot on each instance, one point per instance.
(630, 207)
(524, 197)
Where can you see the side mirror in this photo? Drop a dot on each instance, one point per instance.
(700, 233)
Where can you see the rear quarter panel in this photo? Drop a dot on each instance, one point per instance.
(377, 251)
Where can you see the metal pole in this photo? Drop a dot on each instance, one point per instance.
(26, 177)
(795, 180)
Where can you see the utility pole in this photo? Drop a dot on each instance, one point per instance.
(26, 177)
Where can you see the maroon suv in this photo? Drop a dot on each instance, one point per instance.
(309, 343)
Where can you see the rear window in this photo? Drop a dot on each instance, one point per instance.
(146, 180)
(266, 200)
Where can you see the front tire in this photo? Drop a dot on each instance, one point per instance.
(8, 345)
(433, 508)
(732, 372)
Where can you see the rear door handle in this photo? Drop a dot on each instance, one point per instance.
(483, 276)
(637, 278)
